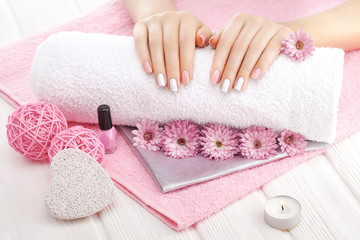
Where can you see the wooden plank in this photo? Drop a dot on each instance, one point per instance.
(329, 209)
(356, 139)
(89, 5)
(37, 15)
(126, 219)
(22, 213)
(243, 219)
(344, 157)
(9, 29)
(23, 185)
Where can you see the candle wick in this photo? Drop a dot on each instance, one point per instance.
(282, 207)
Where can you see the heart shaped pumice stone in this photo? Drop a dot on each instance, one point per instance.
(79, 186)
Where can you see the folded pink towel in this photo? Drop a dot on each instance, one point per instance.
(182, 208)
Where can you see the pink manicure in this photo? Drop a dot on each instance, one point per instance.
(147, 67)
(210, 40)
(215, 77)
(255, 73)
(186, 77)
(203, 38)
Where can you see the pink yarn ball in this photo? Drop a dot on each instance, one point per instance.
(80, 138)
(31, 128)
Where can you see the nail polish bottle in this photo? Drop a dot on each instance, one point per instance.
(106, 132)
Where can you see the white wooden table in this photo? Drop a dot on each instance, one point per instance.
(328, 186)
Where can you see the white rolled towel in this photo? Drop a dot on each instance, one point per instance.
(79, 71)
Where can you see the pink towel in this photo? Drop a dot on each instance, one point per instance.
(182, 208)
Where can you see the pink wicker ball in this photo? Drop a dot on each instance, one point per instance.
(31, 128)
(80, 138)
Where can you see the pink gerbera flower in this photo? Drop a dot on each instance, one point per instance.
(298, 46)
(257, 142)
(180, 139)
(148, 135)
(291, 142)
(219, 142)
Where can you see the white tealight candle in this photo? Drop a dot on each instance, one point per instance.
(282, 212)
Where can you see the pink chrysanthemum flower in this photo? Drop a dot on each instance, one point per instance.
(257, 142)
(180, 139)
(298, 46)
(218, 142)
(291, 142)
(148, 135)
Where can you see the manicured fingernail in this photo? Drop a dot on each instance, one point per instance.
(225, 85)
(147, 67)
(186, 77)
(203, 38)
(255, 73)
(173, 85)
(239, 84)
(211, 39)
(215, 77)
(161, 80)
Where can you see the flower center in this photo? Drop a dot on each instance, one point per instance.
(148, 136)
(299, 45)
(257, 144)
(289, 140)
(181, 141)
(218, 144)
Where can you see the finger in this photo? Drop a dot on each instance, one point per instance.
(234, 61)
(203, 35)
(271, 52)
(213, 41)
(256, 48)
(157, 52)
(140, 34)
(236, 56)
(171, 52)
(187, 50)
(223, 48)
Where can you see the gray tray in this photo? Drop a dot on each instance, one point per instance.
(171, 174)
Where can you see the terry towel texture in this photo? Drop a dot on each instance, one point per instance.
(182, 208)
(79, 71)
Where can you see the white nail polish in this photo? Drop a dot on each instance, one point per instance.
(225, 85)
(239, 84)
(173, 85)
(161, 80)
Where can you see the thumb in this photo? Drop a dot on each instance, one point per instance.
(215, 38)
(203, 35)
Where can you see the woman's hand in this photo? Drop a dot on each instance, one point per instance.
(166, 43)
(245, 49)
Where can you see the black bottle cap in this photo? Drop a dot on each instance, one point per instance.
(104, 117)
